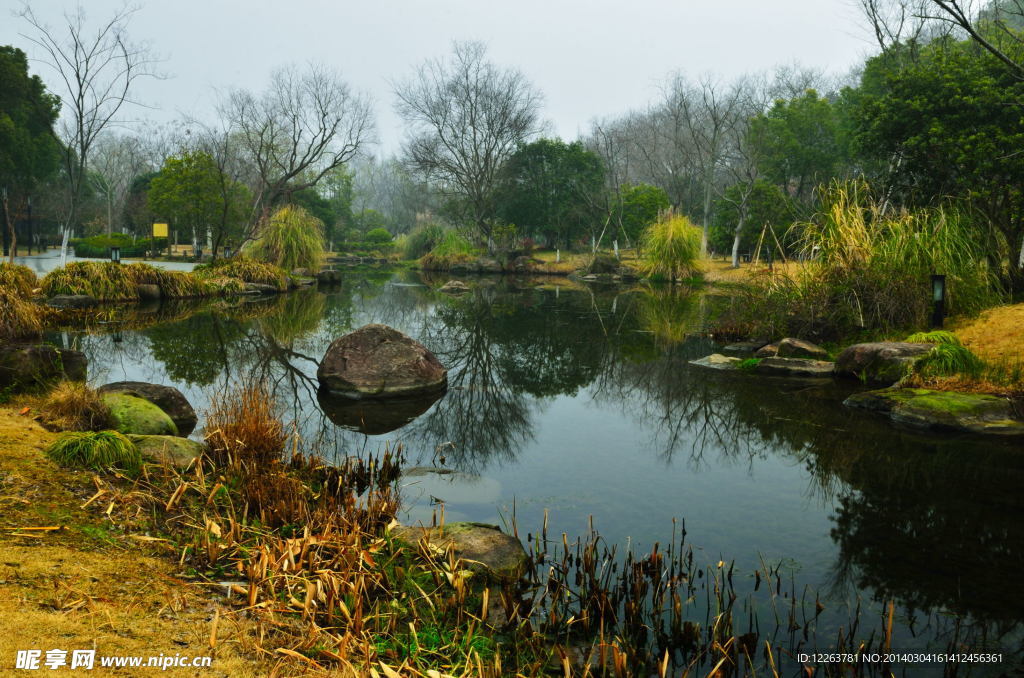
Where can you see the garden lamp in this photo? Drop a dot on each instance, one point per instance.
(938, 299)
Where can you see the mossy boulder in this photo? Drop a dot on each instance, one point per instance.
(174, 450)
(931, 410)
(484, 549)
(167, 398)
(134, 415)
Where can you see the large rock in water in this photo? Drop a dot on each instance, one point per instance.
(167, 398)
(377, 361)
(138, 416)
(883, 362)
(942, 410)
(484, 549)
(29, 366)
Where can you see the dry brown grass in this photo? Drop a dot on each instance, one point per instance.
(243, 429)
(20, 318)
(89, 586)
(73, 406)
(996, 335)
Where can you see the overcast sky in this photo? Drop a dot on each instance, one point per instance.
(590, 58)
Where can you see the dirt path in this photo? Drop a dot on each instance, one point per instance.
(90, 586)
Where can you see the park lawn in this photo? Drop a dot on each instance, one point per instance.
(996, 335)
(721, 271)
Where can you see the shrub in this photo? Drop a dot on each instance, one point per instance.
(98, 246)
(96, 450)
(671, 248)
(292, 238)
(421, 240)
(377, 236)
(73, 406)
(451, 249)
(242, 429)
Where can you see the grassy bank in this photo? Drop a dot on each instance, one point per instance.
(307, 576)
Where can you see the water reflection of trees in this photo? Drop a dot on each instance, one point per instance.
(933, 524)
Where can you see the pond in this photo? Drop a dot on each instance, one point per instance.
(581, 403)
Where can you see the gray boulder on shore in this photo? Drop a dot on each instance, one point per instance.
(880, 362)
(484, 549)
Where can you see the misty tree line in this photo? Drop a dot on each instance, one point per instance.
(923, 122)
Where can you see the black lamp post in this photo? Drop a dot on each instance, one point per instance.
(115, 255)
(938, 299)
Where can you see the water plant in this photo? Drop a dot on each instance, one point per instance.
(671, 248)
(242, 429)
(74, 406)
(291, 238)
(96, 450)
(108, 281)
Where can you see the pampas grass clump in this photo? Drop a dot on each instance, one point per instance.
(291, 238)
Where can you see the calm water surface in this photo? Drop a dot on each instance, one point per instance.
(582, 402)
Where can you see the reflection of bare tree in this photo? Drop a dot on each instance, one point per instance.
(482, 415)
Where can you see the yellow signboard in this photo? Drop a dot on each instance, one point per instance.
(159, 230)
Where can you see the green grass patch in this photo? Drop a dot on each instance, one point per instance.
(96, 450)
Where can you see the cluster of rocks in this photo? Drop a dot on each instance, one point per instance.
(883, 363)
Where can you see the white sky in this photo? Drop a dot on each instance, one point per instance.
(590, 58)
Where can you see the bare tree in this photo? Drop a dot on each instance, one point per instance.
(467, 117)
(117, 160)
(304, 125)
(96, 70)
(702, 116)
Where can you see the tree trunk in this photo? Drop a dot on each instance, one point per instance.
(736, 248)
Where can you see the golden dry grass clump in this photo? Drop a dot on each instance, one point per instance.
(19, 278)
(244, 430)
(20, 318)
(73, 406)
